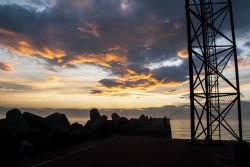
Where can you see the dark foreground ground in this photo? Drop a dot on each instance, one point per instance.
(121, 151)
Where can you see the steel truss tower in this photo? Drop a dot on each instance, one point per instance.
(213, 67)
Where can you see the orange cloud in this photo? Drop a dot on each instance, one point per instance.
(6, 67)
(19, 44)
(134, 81)
(26, 49)
(182, 54)
(150, 81)
(103, 59)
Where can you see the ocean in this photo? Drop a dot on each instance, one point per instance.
(181, 129)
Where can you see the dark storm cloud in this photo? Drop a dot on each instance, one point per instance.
(171, 74)
(142, 31)
(116, 83)
(88, 31)
(110, 83)
(144, 78)
(139, 69)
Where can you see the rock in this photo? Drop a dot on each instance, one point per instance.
(143, 118)
(10, 148)
(57, 138)
(37, 122)
(104, 117)
(28, 133)
(133, 123)
(115, 116)
(142, 121)
(58, 119)
(76, 126)
(80, 135)
(123, 124)
(94, 115)
(99, 126)
(120, 123)
(4, 123)
(26, 148)
(110, 127)
(15, 117)
(123, 120)
(88, 124)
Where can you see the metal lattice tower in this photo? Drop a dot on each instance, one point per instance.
(213, 68)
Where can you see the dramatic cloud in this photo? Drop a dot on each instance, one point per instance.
(120, 36)
(136, 76)
(6, 67)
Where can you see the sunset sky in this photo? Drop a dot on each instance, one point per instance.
(101, 53)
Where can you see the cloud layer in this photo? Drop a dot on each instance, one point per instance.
(121, 36)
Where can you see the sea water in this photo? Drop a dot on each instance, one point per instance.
(181, 129)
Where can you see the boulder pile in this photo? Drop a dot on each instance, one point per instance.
(25, 134)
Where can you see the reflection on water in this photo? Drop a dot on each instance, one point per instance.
(181, 129)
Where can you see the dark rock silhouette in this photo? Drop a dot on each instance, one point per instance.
(15, 117)
(58, 137)
(10, 147)
(27, 148)
(142, 120)
(115, 116)
(58, 119)
(37, 122)
(27, 134)
(97, 123)
(76, 126)
(120, 123)
(94, 115)
(104, 118)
